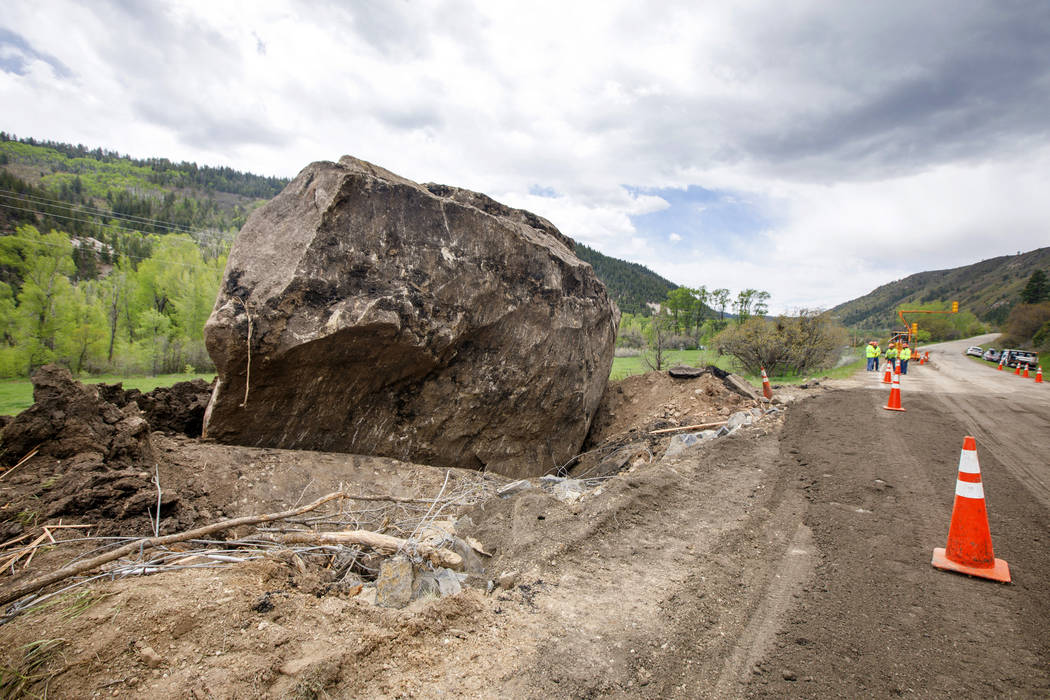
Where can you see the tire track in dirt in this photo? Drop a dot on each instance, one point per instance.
(880, 621)
(628, 581)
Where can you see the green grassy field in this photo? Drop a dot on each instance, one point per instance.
(626, 366)
(16, 395)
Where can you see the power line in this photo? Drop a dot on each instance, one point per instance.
(128, 218)
(36, 199)
(107, 225)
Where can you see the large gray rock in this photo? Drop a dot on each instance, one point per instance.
(426, 323)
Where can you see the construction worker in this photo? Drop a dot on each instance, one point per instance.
(891, 353)
(871, 353)
(878, 354)
(905, 356)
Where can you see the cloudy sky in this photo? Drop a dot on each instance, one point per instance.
(812, 149)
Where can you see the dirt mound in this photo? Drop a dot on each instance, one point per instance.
(175, 409)
(631, 409)
(68, 418)
(80, 454)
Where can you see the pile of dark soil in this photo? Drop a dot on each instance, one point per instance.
(85, 450)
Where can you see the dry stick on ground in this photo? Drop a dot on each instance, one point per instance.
(702, 426)
(29, 456)
(16, 592)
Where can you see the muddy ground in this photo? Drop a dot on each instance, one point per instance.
(789, 559)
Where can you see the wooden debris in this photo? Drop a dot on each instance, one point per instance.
(29, 455)
(701, 426)
(384, 544)
(141, 544)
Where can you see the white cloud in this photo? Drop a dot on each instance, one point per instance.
(867, 164)
(674, 237)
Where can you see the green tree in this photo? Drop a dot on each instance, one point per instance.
(153, 334)
(1037, 289)
(46, 265)
(721, 298)
(659, 336)
(680, 303)
(84, 340)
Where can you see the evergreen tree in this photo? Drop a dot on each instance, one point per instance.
(1037, 289)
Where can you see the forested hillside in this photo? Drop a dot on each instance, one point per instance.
(631, 285)
(111, 264)
(989, 289)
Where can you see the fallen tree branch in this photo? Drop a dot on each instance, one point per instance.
(384, 544)
(144, 543)
(702, 426)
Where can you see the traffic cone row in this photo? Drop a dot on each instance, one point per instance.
(767, 390)
(969, 548)
(894, 404)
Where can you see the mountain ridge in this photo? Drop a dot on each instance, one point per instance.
(989, 288)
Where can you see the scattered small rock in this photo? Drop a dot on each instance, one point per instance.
(150, 657)
(513, 488)
(789, 675)
(739, 420)
(569, 490)
(680, 443)
(508, 579)
(394, 585)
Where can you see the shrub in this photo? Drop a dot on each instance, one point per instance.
(1024, 322)
(790, 344)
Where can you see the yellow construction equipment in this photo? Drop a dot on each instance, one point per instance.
(898, 338)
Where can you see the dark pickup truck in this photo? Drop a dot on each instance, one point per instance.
(1014, 358)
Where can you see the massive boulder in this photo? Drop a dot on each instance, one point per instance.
(362, 312)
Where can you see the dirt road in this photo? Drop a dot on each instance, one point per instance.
(797, 563)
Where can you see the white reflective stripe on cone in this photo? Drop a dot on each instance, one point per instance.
(969, 489)
(968, 462)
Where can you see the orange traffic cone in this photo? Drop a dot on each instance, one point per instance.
(887, 378)
(1039, 375)
(926, 356)
(894, 404)
(1017, 370)
(767, 390)
(969, 549)
(922, 361)
(1000, 364)
(1025, 374)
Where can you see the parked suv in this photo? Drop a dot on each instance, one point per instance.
(1013, 358)
(992, 355)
